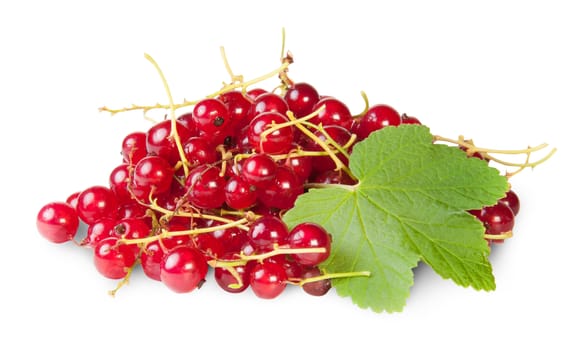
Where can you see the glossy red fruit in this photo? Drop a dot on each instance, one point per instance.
(98, 231)
(57, 222)
(267, 231)
(316, 288)
(95, 203)
(301, 98)
(512, 201)
(198, 151)
(377, 117)
(113, 260)
(238, 106)
(335, 112)
(497, 219)
(283, 191)
(212, 119)
(259, 170)
(153, 173)
(268, 102)
(133, 147)
(119, 179)
(131, 228)
(183, 269)
(160, 142)
(340, 135)
(206, 187)
(278, 141)
(406, 119)
(268, 280)
(152, 255)
(310, 235)
(239, 193)
(227, 281)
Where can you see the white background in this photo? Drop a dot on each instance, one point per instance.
(506, 73)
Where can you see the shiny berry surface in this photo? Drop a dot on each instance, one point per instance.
(57, 222)
(183, 269)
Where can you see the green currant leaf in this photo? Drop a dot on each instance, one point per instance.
(410, 204)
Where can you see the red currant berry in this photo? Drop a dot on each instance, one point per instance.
(227, 281)
(335, 112)
(160, 140)
(197, 151)
(98, 231)
(183, 269)
(131, 228)
(239, 193)
(497, 219)
(73, 199)
(206, 187)
(238, 106)
(57, 222)
(283, 191)
(95, 203)
(316, 288)
(278, 141)
(153, 173)
(254, 93)
(406, 119)
(212, 119)
(267, 231)
(268, 102)
(133, 147)
(259, 170)
(209, 245)
(377, 117)
(232, 239)
(301, 98)
(113, 260)
(267, 280)
(301, 166)
(119, 179)
(310, 235)
(512, 201)
(154, 252)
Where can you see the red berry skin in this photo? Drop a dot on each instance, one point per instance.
(95, 203)
(268, 102)
(310, 235)
(301, 98)
(206, 188)
(512, 201)
(335, 112)
(152, 255)
(153, 173)
(133, 147)
(98, 231)
(405, 119)
(268, 280)
(239, 194)
(160, 142)
(283, 191)
(497, 219)
(227, 281)
(277, 142)
(72, 200)
(267, 231)
(317, 288)
(183, 269)
(259, 170)
(57, 221)
(113, 260)
(118, 183)
(377, 117)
